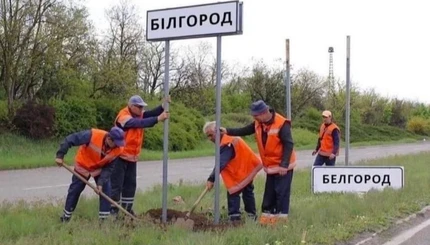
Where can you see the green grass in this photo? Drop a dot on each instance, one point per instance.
(327, 218)
(19, 153)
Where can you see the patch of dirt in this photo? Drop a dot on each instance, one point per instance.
(201, 221)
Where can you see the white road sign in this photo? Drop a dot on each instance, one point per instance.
(356, 178)
(222, 18)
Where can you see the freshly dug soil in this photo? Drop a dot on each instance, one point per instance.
(201, 221)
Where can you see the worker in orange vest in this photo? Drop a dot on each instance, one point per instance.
(275, 145)
(132, 119)
(328, 142)
(97, 150)
(238, 167)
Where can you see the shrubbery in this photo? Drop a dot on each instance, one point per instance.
(65, 117)
(35, 120)
(419, 125)
(62, 117)
(185, 130)
(74, 115)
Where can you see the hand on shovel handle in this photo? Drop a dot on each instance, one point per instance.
(98, 191)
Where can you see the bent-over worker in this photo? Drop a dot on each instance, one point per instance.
(238, 167)
(97, 151)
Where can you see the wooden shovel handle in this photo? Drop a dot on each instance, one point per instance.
(198, 201)
(95, 189)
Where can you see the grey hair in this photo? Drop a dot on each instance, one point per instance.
(209, 126)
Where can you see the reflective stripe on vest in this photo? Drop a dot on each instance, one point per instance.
(85, 172)
(90, 158)
(243, 168)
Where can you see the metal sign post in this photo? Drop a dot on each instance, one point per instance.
(218, 123)
(348, 99)
(287, 79)
(166, 130)
(197, 21)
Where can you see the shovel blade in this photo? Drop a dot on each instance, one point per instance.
(184, 224)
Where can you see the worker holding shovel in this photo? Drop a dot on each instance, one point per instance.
(97, 150)
(238, 167)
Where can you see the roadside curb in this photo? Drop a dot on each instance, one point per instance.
(401, 221)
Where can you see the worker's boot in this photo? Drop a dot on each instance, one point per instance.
(282, 219)
(64, 219)
(266, 219)
(114, 212)
(252, 217)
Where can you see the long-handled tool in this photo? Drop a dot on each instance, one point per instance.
(100, 193)
(186, 222)
(197, 202)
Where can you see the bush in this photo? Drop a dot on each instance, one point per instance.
(34, 120)
(185, 130)
(238, 117)
(107, 111)
(74, 115)
(418, 125)
(303, 137)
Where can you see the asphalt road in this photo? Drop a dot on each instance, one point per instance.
(418, 234)
(47, 183)
(420, 238)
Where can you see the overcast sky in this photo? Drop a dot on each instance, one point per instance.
(390, 39)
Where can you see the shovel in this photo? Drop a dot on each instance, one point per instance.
(96, 190)
(187, 222)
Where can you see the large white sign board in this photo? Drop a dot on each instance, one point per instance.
(223, 18)
(356, 178)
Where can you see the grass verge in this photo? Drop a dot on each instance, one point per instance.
(327, 218)
(21, 153)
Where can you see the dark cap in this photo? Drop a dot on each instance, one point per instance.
(136, 100)
(258, 107)
(117, 135)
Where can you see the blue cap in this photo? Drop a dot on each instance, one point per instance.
(117, 135)
(136, 100)
(258, 108)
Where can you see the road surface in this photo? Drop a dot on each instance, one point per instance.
(421, 237)
(44, 183)
(416, 235)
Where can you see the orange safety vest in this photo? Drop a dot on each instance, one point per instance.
(242, 169)
(89, 159)
(133, 137)
(271, 154)
(326, 139)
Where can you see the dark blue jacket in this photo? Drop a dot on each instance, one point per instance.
(149, 119)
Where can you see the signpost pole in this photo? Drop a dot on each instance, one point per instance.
(287, 79)
(166, 130)
(348, 101)
(218, 124)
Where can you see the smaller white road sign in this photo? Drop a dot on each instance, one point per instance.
(356, 178)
